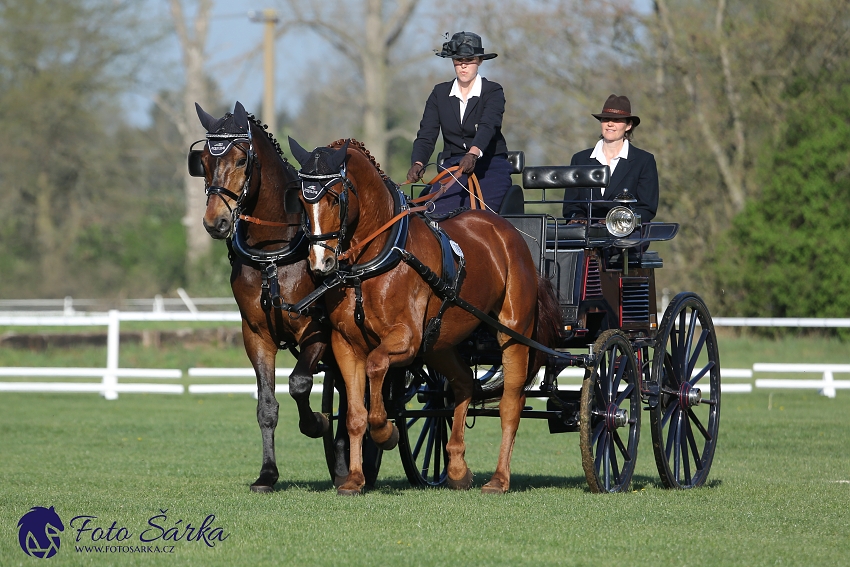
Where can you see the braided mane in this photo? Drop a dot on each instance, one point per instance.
(362, 147)
(272, 139)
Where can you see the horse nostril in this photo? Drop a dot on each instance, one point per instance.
(329, 265)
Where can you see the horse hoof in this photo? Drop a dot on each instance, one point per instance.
(463, 484)
(349, 491)
(317, 428)
(493, 487)
(390, 443)
(262, 488)
(339, 480)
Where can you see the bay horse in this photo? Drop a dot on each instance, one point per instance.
(245, 174)
(382, 306)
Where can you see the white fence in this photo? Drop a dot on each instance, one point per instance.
(109, 386)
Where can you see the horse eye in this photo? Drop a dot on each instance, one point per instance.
(241, 162)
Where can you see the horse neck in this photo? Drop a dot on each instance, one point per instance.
(375, 203)
(274, 177)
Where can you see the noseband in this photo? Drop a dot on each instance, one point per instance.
(313, 190)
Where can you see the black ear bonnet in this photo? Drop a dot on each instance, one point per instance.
(321, 169)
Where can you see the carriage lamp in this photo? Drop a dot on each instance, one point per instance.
(620, 221)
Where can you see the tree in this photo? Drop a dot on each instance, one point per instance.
(192, 37)
(62, 67)
(784, 255)
(367, 33)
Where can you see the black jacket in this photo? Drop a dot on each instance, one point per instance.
(637, 173)
(482, 123)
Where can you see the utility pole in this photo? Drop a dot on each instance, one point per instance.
(270, 19)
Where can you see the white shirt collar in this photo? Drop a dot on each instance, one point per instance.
(474, 91)
(600, 156)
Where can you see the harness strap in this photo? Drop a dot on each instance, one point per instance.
(427, 199)
(445, 292)
(270, 299)
(255, 220)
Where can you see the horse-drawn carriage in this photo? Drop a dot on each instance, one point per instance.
(472, 332)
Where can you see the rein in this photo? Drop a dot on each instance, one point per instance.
(427, 200)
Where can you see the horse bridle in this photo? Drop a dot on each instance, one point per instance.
(340, 197)
(221, 192)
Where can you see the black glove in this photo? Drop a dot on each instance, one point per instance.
(467, 163)
(414, 174)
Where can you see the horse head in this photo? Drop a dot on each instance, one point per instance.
(227, 163)
(330, 210)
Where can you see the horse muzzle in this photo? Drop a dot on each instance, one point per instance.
(219, 228)
(325, 265)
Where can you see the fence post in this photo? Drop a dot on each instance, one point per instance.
(828, 390)
(110, 377)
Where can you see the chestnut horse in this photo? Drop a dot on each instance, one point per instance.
(380, 310)
(245, 175)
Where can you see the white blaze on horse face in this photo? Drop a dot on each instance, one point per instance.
(320, 256)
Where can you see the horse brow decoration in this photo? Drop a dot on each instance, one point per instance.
(362, 147)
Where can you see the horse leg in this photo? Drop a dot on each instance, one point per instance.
(312, 424)
(352, 370)
(341, 445)
(395, 348)
(262, 354)
(459, 375)
(515, 364)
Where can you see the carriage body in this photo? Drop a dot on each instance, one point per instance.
(610, 327)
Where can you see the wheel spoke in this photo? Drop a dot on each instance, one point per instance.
(697, 351)
(669, 412)
(422, 434)
(627, 391)
(429, 433)
(692, 324)
(612, 451)
(693, 417)
(671, 431)
(623, 449)
(618, 377)
(597, 431)
(697, 377)
(438, 450)
(685, 433)
(677, 446)
(692, 442)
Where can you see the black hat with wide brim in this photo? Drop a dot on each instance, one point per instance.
(618, 107)
(464, 44)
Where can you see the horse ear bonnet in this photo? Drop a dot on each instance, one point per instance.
(231, 127)
(300, 154)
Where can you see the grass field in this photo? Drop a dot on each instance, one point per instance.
(778, 492)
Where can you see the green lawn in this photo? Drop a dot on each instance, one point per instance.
(778, 492)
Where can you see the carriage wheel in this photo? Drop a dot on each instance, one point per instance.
(424, 421)
(686, 373)
(424, 405)
(610, 414)
(372, 454)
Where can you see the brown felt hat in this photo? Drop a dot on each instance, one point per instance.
(618, 107)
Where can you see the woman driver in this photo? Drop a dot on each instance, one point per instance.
(468, 111)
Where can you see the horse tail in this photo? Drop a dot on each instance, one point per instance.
(548, 326)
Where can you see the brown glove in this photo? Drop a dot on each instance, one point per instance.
(414, 174)
(467, 163)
